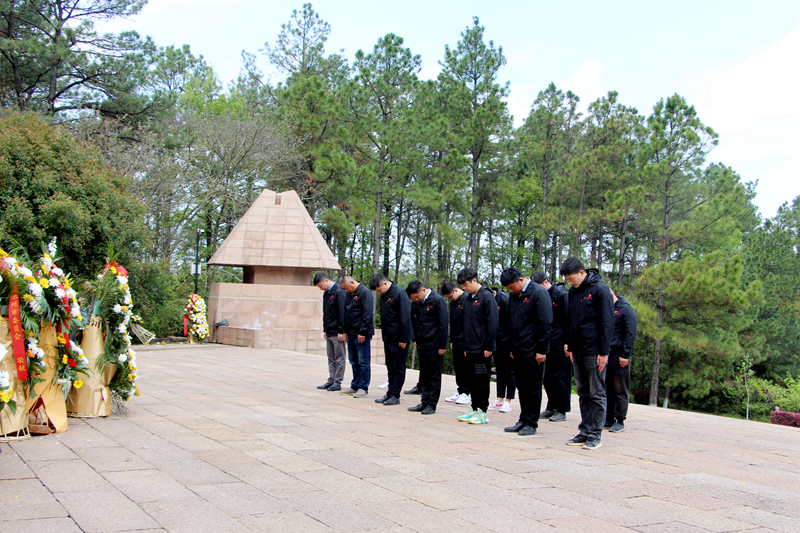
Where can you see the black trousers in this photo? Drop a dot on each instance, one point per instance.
(430, 374)
(618, 387)
(461, 368)
(558, 379)
(504, 365)
(395, 366)
(529, 384)
(479, 380)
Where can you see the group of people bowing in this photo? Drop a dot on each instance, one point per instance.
(538, 333)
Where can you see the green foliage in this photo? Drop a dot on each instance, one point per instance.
(52, 186)
(159, 296)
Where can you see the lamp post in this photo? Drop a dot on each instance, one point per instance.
(197, 260)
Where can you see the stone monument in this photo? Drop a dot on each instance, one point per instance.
(278, 247)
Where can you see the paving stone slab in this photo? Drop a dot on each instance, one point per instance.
(38, 525)
(28, 499)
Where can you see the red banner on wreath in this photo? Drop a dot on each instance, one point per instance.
(17, 335)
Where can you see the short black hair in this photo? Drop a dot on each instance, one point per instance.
(447, 288)
(414, 287)
(346, 278)
(539, 277)
(465, 275)
(376, 280)
(510, 275)
(572, 265)
(319, 277)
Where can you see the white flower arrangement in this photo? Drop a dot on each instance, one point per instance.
(4, 379)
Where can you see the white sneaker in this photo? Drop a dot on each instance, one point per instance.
(495, 406)
(463, 399)
(505, 408)
(384, 386)
(453, 398)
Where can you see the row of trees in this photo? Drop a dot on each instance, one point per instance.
(418, 178)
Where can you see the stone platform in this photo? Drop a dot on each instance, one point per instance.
(228, 439)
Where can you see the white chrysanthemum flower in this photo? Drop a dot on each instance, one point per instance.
(76, 349)
(132, 354)
(35, 289)
(122, 358)
(71, 293)
(57, 272)
(122, 280)
(83, 360)
(121, 329)
(76, 311)
(117, 308)
(39, 353)
(54, 282)
(10, 261)
(52, 248)
(47, 262)
(127, 299)
(25, 271)
(4, 379)
(61, 293)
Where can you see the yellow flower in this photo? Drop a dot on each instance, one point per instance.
(77, 383)
(44, 283)
(30, 279)
(136, 393)
(67, 283)
(130, 377)
(5, 396)
(64, 359)
(61, 339)
(113, 270)
(27, 298)
(3, 253)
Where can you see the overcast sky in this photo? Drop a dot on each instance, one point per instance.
(735, 61)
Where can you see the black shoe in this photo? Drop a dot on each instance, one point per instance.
(325, 386)
(558, 417)
(385, 397)
(417, 408)
(393, 400)
(527, 431)
(617, 427)
(547, 413)
(414, 390)
(608, 424)
(429, 410)
(577, 440)
(515, 428)
(334, 388)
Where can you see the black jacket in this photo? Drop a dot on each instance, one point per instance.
(503, 334)
(624, 328)
(591, 316)
(480, 322)
(396, 315)
(558, 297)
(359, 313)
(429, 319)
(457, 321)
(531, 315)
(333, 301)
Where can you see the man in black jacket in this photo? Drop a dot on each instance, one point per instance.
(505, 383)
(397, 333)
(360, 327)
(530, 318)
(591, 327)
(429, 320)
(558, 369)
(457, 298)
(333, 301)
(480, 329)
(618, 375)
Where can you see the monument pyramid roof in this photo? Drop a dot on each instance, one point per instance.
(276, 231)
